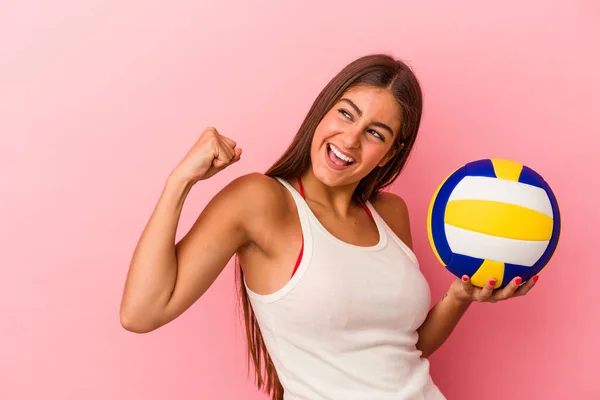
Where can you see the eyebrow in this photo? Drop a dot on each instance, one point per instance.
(359, 112)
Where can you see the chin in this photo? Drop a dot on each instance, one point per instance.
(328, 179)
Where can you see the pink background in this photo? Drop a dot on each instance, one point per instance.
(100, 99)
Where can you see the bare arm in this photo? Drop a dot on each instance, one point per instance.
(446, 313)
(153, 268)
(166, 278)
(440, 323)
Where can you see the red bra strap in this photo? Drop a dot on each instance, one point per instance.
(299, 259)
(301, 188)
(365, 207)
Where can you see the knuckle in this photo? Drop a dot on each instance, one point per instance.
(211, 131)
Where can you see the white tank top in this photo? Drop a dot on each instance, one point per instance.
(344, 326)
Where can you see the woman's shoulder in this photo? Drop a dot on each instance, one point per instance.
(256, 181)
(256, 191)
(260, 206)
(394, 211)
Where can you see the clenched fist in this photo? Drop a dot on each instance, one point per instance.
(211, 153)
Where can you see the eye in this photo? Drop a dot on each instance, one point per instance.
(376, 134)
(345, 113)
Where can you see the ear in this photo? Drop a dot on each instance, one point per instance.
(391, 154)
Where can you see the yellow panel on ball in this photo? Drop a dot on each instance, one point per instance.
(499, 219)
(488, 270)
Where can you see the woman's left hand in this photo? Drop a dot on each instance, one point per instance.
(463, 290)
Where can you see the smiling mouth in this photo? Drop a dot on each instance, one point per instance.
(337, 157)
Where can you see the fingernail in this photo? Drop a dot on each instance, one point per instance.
(535, 278)
(518, 281)
(465, 278)
(492, 282)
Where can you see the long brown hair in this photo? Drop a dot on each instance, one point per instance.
(378, 70)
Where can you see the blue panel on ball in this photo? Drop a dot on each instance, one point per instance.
(512, 271)
(480, 168)
(438, 212)
(530, 177)
(460, 265)
(556, 228)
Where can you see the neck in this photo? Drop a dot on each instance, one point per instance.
(337, 200)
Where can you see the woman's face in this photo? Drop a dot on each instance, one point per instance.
(355, 136)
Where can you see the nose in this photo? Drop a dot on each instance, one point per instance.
(351, 138)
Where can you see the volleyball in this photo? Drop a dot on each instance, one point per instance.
(494, 218)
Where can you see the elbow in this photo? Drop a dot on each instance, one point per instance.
(135, 327)
(425, 354)
(133, 322)
(428, 351)
(424, 349)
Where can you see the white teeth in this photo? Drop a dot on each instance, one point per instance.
(339, 155)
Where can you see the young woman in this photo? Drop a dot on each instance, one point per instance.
(334, 302)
